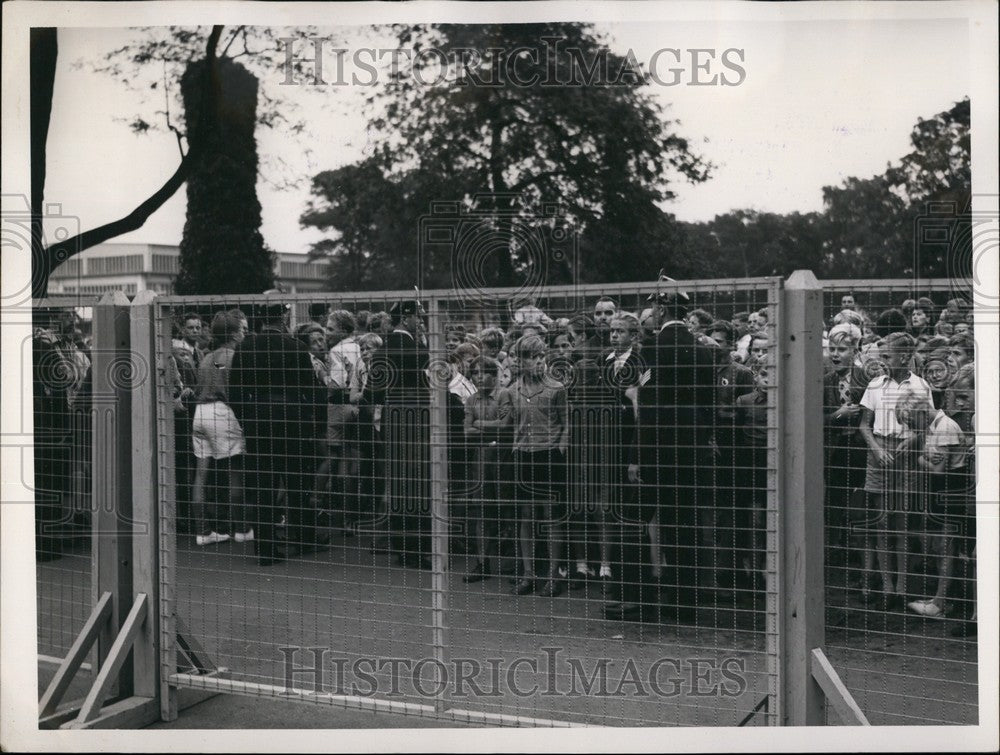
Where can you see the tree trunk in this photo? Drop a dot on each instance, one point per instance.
(44, 51)
(222, 250)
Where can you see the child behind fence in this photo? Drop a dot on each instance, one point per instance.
(536, 406)
(489, 451)
(888, 478)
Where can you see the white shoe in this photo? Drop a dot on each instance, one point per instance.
(926, 608)
(244, 537)
(209, 539)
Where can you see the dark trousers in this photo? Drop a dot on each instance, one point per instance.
(279, 459)
(406, 428)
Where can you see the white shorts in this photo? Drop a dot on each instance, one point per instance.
(216, 433)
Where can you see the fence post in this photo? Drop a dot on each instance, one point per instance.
(112, 473)
(145, 529)
(800, 505)
(439, 497)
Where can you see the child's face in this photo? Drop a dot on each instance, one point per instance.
(918, 318)
(762, 377)
(452, 341)
(962, 400)
(620, 337)
(694, 324)
(490, 351)
(532, 364)
(563, 346)
(897, 358)
(961, 327)
(758, 349)
(913, 415)
(483, 380)
(945, 328)
(959, 354)
(367, 351)
(842, 354)
(603, 312)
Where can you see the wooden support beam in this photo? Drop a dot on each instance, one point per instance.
(130, 713)
(191, 649)
(801, 596)
(108, 674)
(74, 658)
(836, 693)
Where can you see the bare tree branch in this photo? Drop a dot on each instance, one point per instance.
(58, 253)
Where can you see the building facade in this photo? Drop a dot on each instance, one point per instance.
(131, 268)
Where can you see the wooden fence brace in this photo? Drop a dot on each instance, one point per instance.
(836, 692)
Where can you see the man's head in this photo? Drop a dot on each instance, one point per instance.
(191, 328)
(723, 333)
(604, 310)
(847, 301)
(624, 331)
(407, 315)
(757, 321)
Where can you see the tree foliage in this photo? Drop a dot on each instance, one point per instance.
(222, 250)
(477, 118)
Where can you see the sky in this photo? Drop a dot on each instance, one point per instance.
(819, 102)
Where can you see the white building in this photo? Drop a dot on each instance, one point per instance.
(131, 268)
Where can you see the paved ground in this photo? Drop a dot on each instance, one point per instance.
(355, 603)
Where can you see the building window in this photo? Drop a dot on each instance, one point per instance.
(68, 269)
(301, 270)
(129, 263)
(165, 263)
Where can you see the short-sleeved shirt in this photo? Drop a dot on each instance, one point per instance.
(213, 375)
(881, 397)
(539, 412)
(944, 436)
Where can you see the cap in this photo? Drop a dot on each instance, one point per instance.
(405, 308)
(668, 297)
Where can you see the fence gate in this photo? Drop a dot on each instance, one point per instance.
(389, 577)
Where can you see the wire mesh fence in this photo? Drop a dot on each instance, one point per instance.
(556, 507)
(531, 511)
(900, 502)
(60, 348)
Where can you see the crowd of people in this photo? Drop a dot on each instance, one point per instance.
(626, 449)
(561, 429)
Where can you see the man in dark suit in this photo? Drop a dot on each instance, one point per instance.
(675, 409)
(276, 396)
(398, 380)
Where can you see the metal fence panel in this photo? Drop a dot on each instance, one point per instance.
(60, 354)
(392, 536)
(900, 547)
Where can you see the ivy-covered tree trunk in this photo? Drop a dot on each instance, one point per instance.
(222, 250)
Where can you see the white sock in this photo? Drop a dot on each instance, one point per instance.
(605, 570)
(581, 567)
